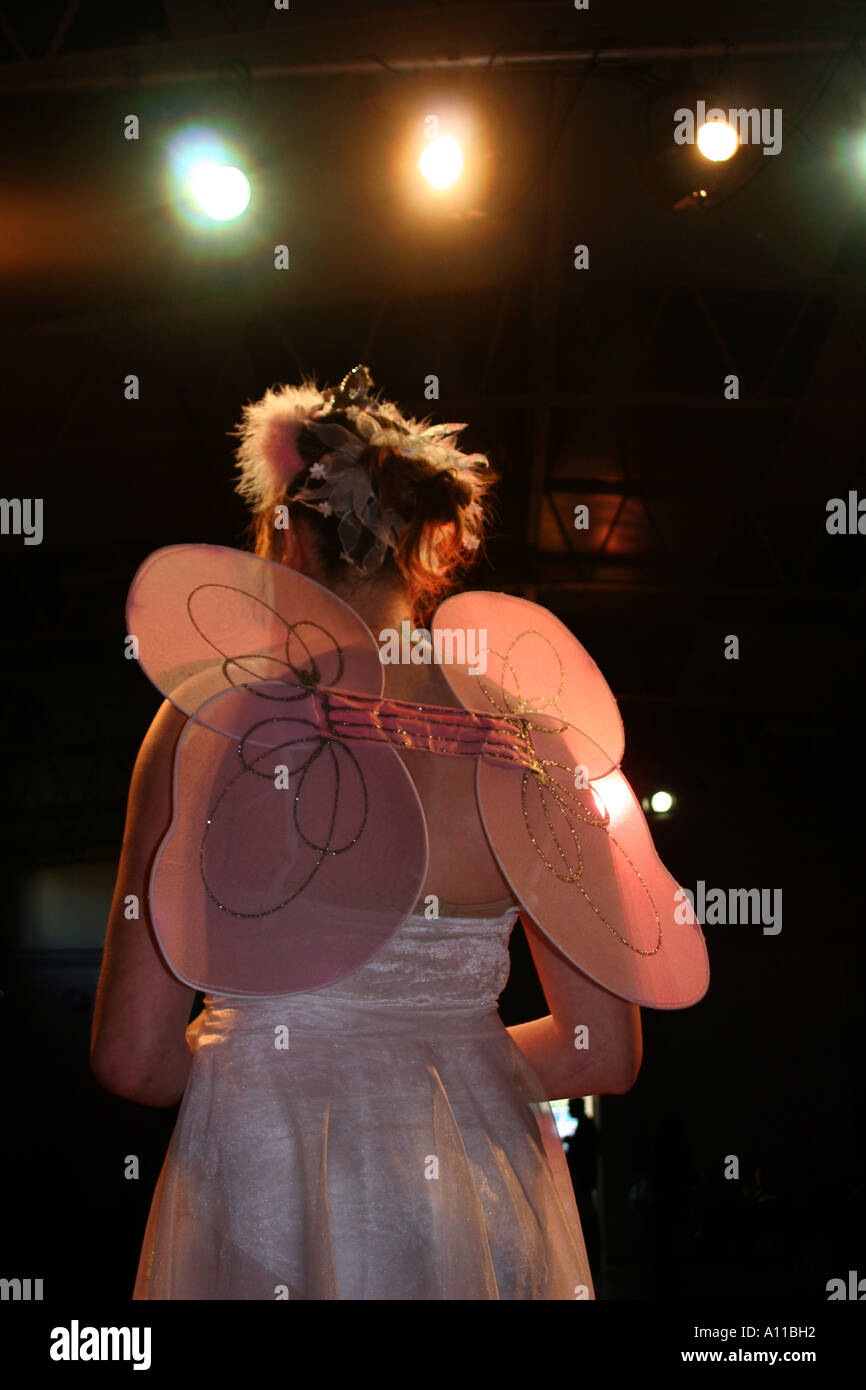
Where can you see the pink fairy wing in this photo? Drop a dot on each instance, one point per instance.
(582, 862)
(293, 856)
(562, 820)
(208, 619)
(291, 859)
(531, 662)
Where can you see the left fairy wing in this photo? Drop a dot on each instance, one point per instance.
(207, 619)
(294, 853)
(292, 858)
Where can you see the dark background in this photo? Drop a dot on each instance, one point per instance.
(602, 386)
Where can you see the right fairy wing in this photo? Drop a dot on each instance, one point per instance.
(561, 818)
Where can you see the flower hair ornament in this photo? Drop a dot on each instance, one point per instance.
(270, 459)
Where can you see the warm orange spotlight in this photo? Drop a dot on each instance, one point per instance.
(441, 162)
(717, 140)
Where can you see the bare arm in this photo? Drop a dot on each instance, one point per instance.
(137, 1048)
(611, 1061)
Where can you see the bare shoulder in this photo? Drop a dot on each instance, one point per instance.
(150, 789)
(160, 741)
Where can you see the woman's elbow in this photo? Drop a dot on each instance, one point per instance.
(140, 1089)
(626, 1070)
(621, 1081)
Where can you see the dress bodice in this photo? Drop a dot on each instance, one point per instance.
(449, 963)
(440, 963)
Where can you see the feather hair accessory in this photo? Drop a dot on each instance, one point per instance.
(269, 458)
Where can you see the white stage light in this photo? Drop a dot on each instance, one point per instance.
(220, 190)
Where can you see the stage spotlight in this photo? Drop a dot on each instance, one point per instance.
(660, 802)
(441, 162)
(717, 140)
(205, 184)
(220, 190)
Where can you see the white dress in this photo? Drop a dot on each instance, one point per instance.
(379, 1138)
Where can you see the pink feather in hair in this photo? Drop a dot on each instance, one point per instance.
(268, 456)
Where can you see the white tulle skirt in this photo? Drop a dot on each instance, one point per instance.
(326, 1149)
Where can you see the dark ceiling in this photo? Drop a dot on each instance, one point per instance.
(602, 386)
